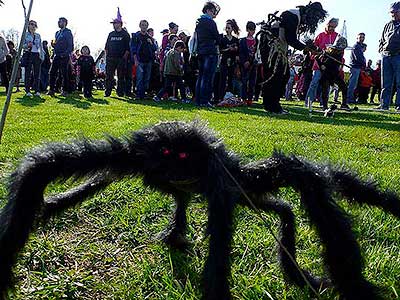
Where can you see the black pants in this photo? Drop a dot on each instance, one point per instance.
(325, 86)
(275, 87)
(32, 72)
(169, 81)
(59, 64)
(87, 84)
(3, 73)
(112, 64)
(375, 90)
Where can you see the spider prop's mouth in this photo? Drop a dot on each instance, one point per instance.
(184, 182)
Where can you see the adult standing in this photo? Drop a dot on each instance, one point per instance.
(143, 50)
(389, 47)
(229, 49)
(275, 36)
(32, 57)
(324, 39)
(357, 63)
(208, 39)
(63, 45)
(3, 62)
(117, 54)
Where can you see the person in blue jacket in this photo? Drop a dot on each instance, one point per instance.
(208, 39)
(143, 48)
(63, 45)
(357, 62)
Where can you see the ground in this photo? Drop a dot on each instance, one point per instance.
(106, 248)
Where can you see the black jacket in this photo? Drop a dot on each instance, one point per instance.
(207, 36)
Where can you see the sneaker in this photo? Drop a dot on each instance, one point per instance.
(172, 99)
(186, 101)
(328, 113)
(156, 99)
(28, 94)
(345, 107)
(64, 94)
(50, 93)
(207, 105)
(37, 94)
(397, 109)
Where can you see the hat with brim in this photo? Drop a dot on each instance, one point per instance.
(164, 31)
(118, 19)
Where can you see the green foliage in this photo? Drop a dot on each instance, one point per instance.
(105, 249)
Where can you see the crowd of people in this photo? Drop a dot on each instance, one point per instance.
(209, 68)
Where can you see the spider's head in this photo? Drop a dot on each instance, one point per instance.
(176, 154)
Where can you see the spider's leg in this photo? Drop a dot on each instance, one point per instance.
(36, 171)
(217, 267)
(60, 202)
(342, 254)
(365, 192)
(287, 246)
(175, 234)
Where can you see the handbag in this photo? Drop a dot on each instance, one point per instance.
(26, 57)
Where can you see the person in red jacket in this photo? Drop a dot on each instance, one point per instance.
(376, 82)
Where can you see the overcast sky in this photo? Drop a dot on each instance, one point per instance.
(89, 19)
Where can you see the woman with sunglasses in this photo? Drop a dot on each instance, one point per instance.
(32, 59)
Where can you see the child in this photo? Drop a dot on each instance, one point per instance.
(86, 71)
(329, 65)
(248, 64)
(173, 72)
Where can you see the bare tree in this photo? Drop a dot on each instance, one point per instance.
(12, 34)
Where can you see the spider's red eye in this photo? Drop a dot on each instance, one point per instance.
(166, 151)
(183, 155)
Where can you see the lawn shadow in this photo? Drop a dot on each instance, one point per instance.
(341, 118)
(74, 100)
(97, 101)
(30, 101)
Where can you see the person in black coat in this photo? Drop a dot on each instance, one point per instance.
(275, 37)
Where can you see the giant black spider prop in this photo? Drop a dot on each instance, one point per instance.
(180, 158)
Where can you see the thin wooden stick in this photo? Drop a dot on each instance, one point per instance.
(15, 69)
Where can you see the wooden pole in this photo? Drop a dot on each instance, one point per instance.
(15, 69)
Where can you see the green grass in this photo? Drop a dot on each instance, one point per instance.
(105, 249)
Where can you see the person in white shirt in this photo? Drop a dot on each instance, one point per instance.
(32, 59)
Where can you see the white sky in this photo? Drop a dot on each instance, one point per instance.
(89, 19)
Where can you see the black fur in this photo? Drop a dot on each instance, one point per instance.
(180, 159)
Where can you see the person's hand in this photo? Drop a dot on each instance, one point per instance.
(30, 45)
(246, 64)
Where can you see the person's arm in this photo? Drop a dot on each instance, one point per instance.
(127, 40)
(41, 50)
(289, 24)
(70, 42)
(382, 40)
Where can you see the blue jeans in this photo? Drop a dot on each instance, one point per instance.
(353, 82)
(248, 82)
(313, 89)
(390, 71)
(204, 85)
(143, 73)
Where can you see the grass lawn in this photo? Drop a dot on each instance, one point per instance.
(105, 249)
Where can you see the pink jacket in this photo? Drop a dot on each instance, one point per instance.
(322, 41)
